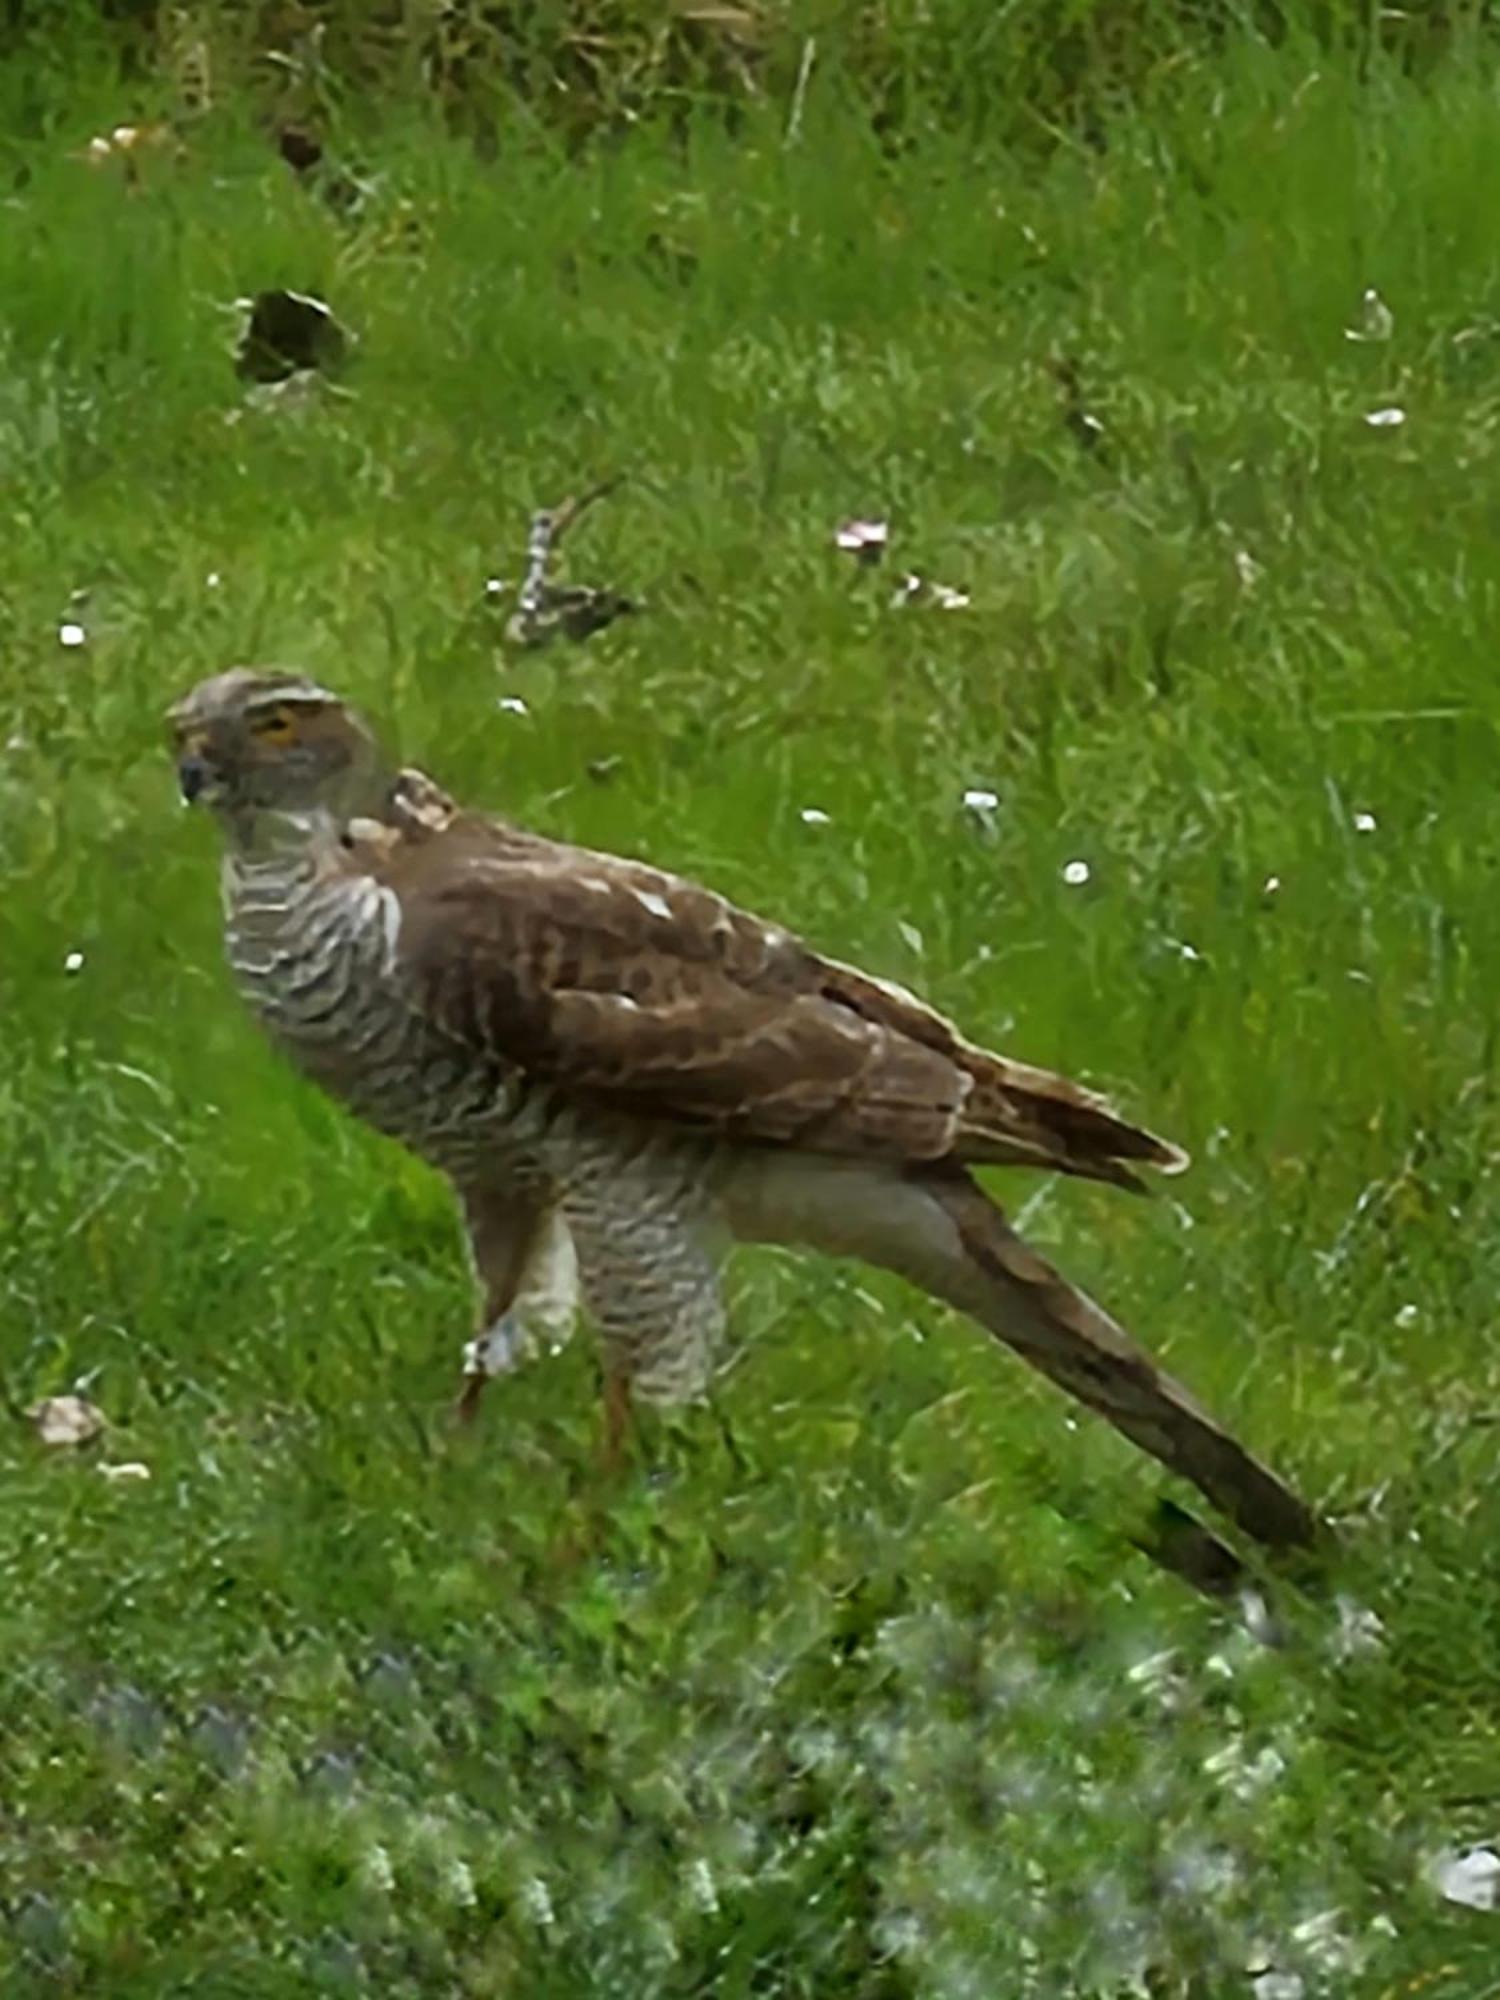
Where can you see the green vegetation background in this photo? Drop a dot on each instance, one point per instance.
(860, 1690)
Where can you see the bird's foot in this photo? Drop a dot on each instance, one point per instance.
(499, 1350)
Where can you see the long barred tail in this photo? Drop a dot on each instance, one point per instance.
(1018, 1296)
(938, 1229)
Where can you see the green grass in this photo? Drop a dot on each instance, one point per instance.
(337, 1704)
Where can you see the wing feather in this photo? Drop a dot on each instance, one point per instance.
(644, 991)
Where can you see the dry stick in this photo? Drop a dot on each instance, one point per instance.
(548, 526)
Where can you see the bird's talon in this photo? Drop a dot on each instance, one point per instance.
(498, 1350)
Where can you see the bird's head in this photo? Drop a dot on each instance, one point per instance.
(255, 743)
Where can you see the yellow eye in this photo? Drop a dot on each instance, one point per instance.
(277, 725)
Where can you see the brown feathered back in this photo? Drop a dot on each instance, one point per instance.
(639, 989)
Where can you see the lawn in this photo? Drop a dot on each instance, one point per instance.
(856, 1685)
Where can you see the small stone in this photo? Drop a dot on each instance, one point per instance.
(71, 634)
(815, 816)
(1389, 419)
(73, 962)
(1075, 873)
(1364, 822)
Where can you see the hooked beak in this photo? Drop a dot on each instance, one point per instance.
(194, 775)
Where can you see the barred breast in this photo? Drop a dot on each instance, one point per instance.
(313, 950)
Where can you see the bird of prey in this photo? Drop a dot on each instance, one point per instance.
(621, 1073)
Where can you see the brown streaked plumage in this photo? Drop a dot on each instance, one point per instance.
(621, 1073)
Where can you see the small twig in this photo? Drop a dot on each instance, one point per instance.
(542, 609)
(548, 526)
(538, 549)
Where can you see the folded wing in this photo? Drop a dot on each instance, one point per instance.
(647, 992)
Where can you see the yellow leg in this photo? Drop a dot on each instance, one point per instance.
(617, 1417)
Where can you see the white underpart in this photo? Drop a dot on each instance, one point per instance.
(543, 1312)
(839, 1206)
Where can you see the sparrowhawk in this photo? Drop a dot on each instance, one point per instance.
(621, 1073)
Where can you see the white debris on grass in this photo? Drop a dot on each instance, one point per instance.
(1470, 1878)
(1376, 321)
(66, 1420)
